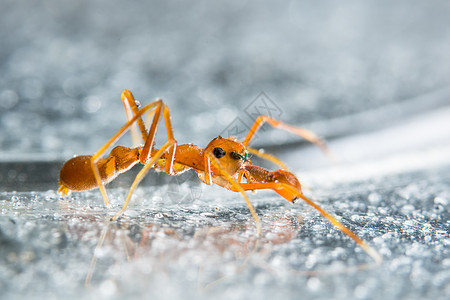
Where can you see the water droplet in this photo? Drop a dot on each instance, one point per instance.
(361, 292)
(407, 209)
(208, 215)
(442, 234)
(131, 213)
(408, 191)
(356, 218)
(374, 198)
(314, 284)
(427, 229)
(441, 201)
(108, 288)
(438, 208)
(91, 104)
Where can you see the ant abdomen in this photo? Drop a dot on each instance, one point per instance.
(77, 173)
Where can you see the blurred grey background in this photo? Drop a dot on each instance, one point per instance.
(65, 63)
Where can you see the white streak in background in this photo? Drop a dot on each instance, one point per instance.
(415, 144)
(384, 116)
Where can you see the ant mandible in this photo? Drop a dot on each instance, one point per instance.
(224, 162)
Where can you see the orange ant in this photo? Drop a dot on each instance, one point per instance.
(224, 162)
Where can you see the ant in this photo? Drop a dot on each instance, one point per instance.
(224, 162)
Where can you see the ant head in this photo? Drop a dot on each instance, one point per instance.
(229, 151)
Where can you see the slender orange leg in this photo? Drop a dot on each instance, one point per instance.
(240, 174)
(115, 138)
(172, 148)
(142, 174)
(146, 156)
(304, 133)
(278, 186)
(268, 157)
(131, 109)
(63, 190)
(236, 187)
(208, 170)
(150, 141)
(148, 146)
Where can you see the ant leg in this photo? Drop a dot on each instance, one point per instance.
(63, 190)
(149, 142)
(173, 147)
(142, 174)
(240, 175)
(97, 156)
(304, 133)
(100, 242)
(131, 109)
(147, 158)
(208, 176)
(280, 186)
(268, 157)
(234, 184)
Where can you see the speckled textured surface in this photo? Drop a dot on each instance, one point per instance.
(372, 77)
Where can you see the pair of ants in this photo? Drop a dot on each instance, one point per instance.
(224, 161)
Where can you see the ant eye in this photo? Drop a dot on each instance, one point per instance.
(236, 155)
(218, 152)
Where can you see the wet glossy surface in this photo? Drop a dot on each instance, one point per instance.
(205, 247)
